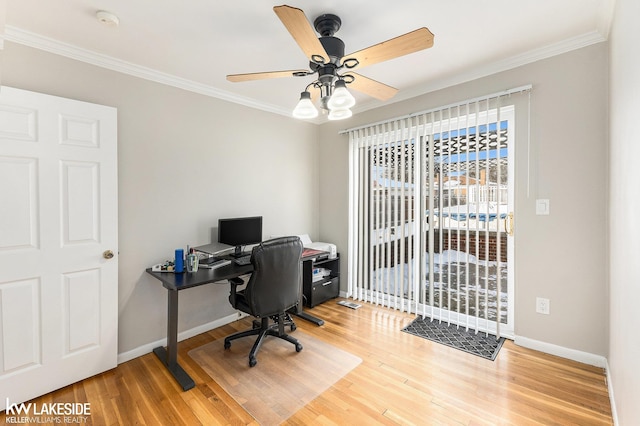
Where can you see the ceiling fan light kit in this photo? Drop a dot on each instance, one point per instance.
(340, 114)
(305, 108)
(341, 98)
(326, 59)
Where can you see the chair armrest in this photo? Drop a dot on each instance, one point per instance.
(234, 282)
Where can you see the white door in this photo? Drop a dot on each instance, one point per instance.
(58, 226)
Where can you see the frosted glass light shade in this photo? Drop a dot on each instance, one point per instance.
(305, 108)
(341, 98)
(340, 114)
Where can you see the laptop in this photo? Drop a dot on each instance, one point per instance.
(213, 249)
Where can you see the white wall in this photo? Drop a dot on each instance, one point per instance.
(184, 160)
(624, 205)
(562, 256)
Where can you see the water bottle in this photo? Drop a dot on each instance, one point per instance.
(179, 263)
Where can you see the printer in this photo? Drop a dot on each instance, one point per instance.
(328, 247)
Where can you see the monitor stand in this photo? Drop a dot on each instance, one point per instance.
(237, 252)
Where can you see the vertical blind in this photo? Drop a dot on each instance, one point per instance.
(428, 214)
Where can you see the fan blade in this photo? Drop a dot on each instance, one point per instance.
(235, 78)
(414, 41)
(372, 88)
(302, 32)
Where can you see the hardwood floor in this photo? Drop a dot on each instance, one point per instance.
(403, 379)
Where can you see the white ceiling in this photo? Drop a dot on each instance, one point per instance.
(194, 44)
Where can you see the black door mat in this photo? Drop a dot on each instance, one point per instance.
(480, 344)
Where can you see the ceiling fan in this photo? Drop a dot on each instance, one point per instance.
(334, 68)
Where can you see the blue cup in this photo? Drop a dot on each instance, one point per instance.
(179, 263)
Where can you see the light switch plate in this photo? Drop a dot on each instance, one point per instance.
(542, 206)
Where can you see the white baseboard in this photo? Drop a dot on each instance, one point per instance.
(614, 412)
(572, 354)
(147, 348)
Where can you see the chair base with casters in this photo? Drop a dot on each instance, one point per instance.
(265, 329)
(262, 327)
(288, 321)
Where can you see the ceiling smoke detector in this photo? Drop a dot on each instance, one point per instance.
(108, 19)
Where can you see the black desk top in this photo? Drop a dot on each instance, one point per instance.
(180, 281)
(173, 281)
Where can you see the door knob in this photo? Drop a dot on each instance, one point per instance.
(107, 254)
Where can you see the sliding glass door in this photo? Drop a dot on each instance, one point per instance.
(468, 182)
(431, 215)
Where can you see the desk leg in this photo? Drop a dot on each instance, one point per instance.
(169, 356)
(299, 310)
(300, 313)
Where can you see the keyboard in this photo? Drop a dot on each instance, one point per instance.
(242, 261)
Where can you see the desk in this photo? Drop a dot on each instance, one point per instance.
(177, 282)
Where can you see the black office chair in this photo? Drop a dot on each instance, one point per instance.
(273, 288)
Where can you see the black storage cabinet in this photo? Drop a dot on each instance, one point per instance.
(322, 290)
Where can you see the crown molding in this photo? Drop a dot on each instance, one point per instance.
(17, 35)
(477, 72)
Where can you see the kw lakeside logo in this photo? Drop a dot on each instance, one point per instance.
(51, 413)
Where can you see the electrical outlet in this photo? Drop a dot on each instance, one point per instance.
(542, 305)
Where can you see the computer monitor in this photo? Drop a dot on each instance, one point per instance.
(240, 231)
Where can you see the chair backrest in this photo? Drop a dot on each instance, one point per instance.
(275, 283)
